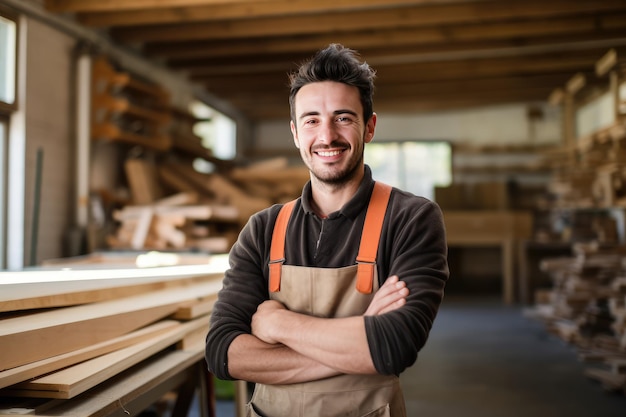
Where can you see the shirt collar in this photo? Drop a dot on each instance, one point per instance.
(353, 207)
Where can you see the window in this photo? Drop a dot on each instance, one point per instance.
(8, 51)
(8, 87)
(218, 133)
(414, 166)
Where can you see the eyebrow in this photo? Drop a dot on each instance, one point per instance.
(335, 113)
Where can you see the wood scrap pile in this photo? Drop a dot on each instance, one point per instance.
(63, 333)
(198, 211)
(586, 308)
(160, 151)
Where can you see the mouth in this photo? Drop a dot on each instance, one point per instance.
(329, 154)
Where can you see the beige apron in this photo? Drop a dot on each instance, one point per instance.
(330, 292)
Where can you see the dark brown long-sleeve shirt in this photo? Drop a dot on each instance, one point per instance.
(412, 246)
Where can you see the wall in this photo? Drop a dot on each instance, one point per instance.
(48, 125)
(499, 125)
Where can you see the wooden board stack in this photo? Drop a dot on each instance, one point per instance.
(586, 308)
(65, 332)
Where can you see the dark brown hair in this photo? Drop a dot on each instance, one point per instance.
(340, 64)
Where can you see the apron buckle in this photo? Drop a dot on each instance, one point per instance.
(365, 276)
(275, 269)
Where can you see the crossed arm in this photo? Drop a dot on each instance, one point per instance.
(287, 347)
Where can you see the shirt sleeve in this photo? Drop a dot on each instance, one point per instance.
(414, 248)
(244, 288)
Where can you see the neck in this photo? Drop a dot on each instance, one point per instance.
(328, 198)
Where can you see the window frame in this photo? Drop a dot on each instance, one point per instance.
(7, 108)
(4, 184)
(401, 162)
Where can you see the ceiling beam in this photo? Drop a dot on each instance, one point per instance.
(423, 16)
(64, 6)
(238, 10)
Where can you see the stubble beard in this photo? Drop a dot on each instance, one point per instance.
(338, 177)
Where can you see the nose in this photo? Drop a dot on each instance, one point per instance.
(327, 133)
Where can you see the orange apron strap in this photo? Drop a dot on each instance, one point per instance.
(277, 248)
(366, 259)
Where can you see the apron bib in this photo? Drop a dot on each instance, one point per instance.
(330, 293)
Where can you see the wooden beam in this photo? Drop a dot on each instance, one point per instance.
(606, 63)
(420, 16)
(99, 5)
(207, 12)
(576, 83)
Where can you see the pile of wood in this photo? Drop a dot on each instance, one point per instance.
(202, 211)
(166, 202)
(586, 308)
(590, 169)
(66, 332)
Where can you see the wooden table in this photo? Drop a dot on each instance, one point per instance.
(482, 228)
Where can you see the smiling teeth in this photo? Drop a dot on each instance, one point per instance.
(333, 153)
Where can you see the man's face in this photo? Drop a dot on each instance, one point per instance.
(330, 131)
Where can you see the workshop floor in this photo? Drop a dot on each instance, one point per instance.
(484, 359)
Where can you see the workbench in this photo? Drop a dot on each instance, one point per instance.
(491, 228)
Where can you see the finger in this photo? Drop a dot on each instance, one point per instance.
(388, 298)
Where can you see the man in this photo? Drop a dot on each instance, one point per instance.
(328, 299)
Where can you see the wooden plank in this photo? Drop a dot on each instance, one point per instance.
(123, 393)
(609, 380)
(76, 379)
(218, 212)
(109, 131)
(142, 228)
(58, 288)
(179, 199)
(39, 336)
(142, 178)
(35, 369)
(195, 308)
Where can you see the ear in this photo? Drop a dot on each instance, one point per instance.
(370, 128)
(294, 133)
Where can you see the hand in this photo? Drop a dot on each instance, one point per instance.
(390, 296)
(264, 319)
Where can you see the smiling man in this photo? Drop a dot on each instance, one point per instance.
(330, 297)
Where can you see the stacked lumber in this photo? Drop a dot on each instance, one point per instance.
(128, 109)
(586, 307)
(63, 333)
(590, 169)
